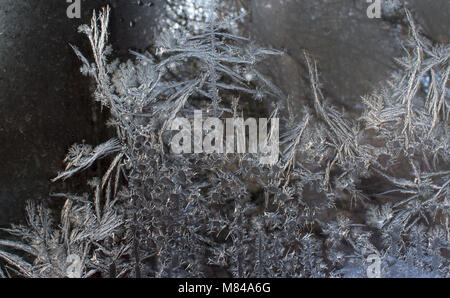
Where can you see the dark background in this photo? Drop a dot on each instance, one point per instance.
(45, 103)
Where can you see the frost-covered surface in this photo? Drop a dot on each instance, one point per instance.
(344, 189)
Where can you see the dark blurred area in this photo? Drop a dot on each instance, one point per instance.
(45, 102)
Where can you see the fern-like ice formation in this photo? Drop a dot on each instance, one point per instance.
(315, 213)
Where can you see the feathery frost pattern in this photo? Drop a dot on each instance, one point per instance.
(344, 188)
